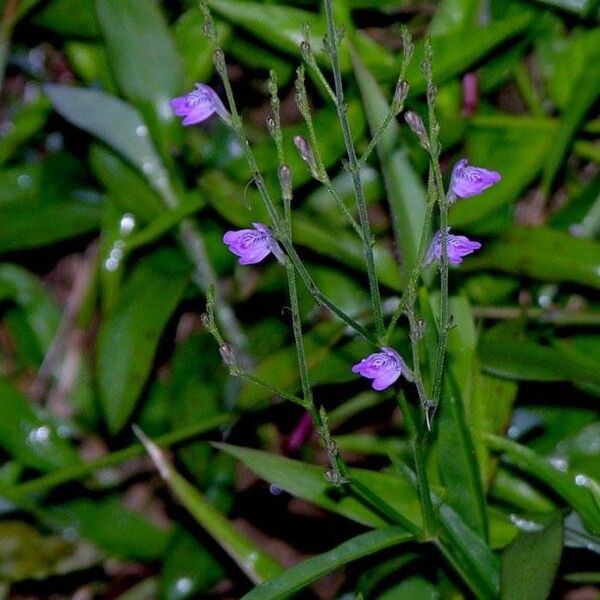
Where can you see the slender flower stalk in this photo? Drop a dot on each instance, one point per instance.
(354, 168)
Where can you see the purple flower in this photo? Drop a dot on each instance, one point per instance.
(198, 105)
(458, 246)
(382, 367)
(469, 181)
(252, 245)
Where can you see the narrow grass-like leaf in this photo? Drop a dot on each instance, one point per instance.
(308, 482)
(255, 563)
(129, 336)
(530, 563)
(310, 570)
(405, 192)
(469, 554)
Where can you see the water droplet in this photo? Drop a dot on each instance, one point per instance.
(184, 585)
(111, 264)
(525, 524)
(141, 131)
(148, 167)
(54, 141)
(38, 435)
(24, 181)
(127, 224)
(116, 253)
(560, 464)
(581, 480)
(275, 489)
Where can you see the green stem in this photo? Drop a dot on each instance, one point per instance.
(410, 289)
(416, 442)
(56, 478)
(278, 225)
(363, 217)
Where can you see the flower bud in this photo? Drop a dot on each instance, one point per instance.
(415, 122)
(306, 153)
(285, 181)
(227, 355)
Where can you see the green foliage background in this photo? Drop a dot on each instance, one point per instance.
(111, 218)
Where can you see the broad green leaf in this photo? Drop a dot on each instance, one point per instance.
(405, 192)
(256, 564)
(544, 254)
(530, 563)
(140, 49)
(29, 435)
(579, 491)
(314, 568)
(109, 525)
(129, 336)
(126, 187)
(25, 226)
(188, 568)
(511, 489)
(308, 482)
(90, 63)
(145, 61)
(117, 124)
(517, 358)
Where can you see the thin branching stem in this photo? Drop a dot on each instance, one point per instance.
(354, 168)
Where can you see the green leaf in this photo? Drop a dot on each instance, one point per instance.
(308, 482)
(456, 52)
(584, 94)
(29, 435)
(579, 491)
(186, 560)
(530, 563)
(25, 226)
(405, 192)
(256, 564)
(469, 554)
(140, 49)
(545, 254)
(453, 16)
(460, 457)
(518, 358)
(117, 124)
(130, 334)
(314, 568)
(109, 525)
(144, 58)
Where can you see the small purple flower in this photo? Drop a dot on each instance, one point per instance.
(382, 367)
(458, 246)
(469, 181)
(198, 105)
(252, 245)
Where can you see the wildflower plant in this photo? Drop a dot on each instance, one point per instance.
(309, 281)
